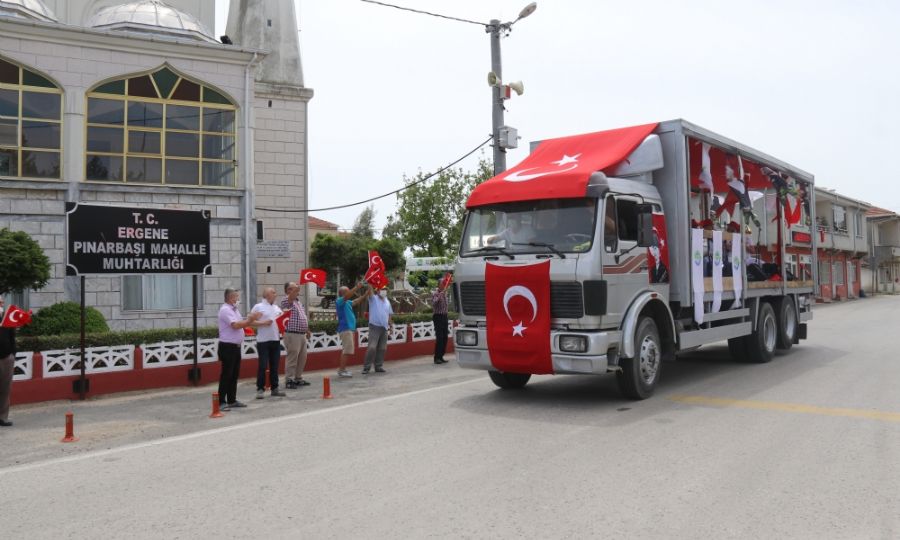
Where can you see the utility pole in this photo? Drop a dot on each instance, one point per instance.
(495, 28)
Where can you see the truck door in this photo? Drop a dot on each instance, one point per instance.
(624, 264)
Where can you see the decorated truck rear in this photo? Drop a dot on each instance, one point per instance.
(613, 251)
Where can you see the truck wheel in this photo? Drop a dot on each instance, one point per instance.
(787, 323)
(738, 348)
(509, 381)
(639, 375)
(761, 343)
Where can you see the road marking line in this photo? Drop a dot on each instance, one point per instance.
(788, 407)
(226, 429)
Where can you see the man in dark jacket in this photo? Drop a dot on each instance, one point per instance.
(7, 361)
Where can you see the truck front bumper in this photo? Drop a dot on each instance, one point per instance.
(593, 360)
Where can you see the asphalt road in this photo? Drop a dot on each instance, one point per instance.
(804, 447)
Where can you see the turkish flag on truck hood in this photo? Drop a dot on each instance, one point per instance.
(518, 317)
(561, 168)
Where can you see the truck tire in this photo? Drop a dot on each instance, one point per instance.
(639, 375)
(509, 381)
(787, 323)
(738, 348)
(761, 343)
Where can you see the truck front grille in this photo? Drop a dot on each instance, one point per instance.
(566, 299)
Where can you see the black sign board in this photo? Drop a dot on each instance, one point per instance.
(116, 240)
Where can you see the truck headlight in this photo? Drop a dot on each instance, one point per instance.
(467, 338)
(575, 344)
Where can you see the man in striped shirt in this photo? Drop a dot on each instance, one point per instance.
(441, 333)
(296, 335)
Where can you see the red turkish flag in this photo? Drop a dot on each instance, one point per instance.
(377, 279)
(561, 168)
(518, 317)
(313, 275)
(282, 321)
(249, 331)
(16, 318)
(375, 262)
(446, 280)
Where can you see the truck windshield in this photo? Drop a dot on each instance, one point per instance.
(546, 226)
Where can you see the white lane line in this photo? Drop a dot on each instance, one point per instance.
(216, 431)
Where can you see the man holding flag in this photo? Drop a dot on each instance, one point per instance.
(268, 344)
(12, 318)
(439, 318)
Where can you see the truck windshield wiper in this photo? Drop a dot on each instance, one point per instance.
(549, 246)
(493, 248)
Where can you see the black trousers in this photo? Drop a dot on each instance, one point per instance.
(230, 356)
(441, 333)
(269, 357)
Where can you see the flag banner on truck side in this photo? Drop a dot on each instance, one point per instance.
(711, 163)
(697, 283)
(561, 168)
(737, 267)
(658, 254)
(518, 317)
(717, 271)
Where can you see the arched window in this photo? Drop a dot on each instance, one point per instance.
(30, 124)
(160, 128)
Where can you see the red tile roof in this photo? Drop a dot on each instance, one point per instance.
(320, 224)
(879, 212)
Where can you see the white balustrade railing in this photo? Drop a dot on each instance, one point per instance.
(23, 366)
(422, 331)
(321, 341)
(66, 362)
(178, 353)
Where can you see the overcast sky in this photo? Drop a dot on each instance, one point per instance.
(814, 83)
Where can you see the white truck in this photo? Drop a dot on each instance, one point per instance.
(645, 242)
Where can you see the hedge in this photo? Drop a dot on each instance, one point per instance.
(143, 337)
(65, 317)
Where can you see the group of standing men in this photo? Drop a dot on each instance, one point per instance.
(263, 319)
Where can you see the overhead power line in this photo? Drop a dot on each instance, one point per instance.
(426, 13)
(396, 191)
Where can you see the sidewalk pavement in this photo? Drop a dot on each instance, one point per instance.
(120, 419)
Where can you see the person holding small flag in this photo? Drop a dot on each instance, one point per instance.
(231, 337)
(268, 344)
(380, 325)
(12, 318)
(347, 323)
(296, 335)
(439, 318)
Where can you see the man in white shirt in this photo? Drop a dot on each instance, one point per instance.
(268, 344)
(381, 322)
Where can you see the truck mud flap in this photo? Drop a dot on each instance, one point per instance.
(801, 333)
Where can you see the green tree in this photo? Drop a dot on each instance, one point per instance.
(23, 264)
(430, 214)
(364, 226)
(350, 254)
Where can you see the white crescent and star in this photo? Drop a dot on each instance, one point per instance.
(376, 260)
(16, 316)
(524, 292)
(564, 164)
(308, 276)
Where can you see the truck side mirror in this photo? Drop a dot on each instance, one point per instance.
(645, 226)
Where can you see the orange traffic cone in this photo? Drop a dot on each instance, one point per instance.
(326, 388)
(70, 428)
(216, 413)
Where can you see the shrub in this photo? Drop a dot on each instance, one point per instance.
(65, 318)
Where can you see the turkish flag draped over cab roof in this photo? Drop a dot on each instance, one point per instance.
(561, 168)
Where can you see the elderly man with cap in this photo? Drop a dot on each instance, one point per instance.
(231, 337)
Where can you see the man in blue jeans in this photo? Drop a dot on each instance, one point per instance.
(268, 344)
(380, 325)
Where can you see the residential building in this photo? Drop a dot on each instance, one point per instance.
(883, 273)
(843, 244)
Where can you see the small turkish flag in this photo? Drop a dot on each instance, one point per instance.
(16, 318)
(282, 321)
(375, 262)
(446, 280)
(518, 317)
(249, 331)
(313, 275)
(377, 279)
